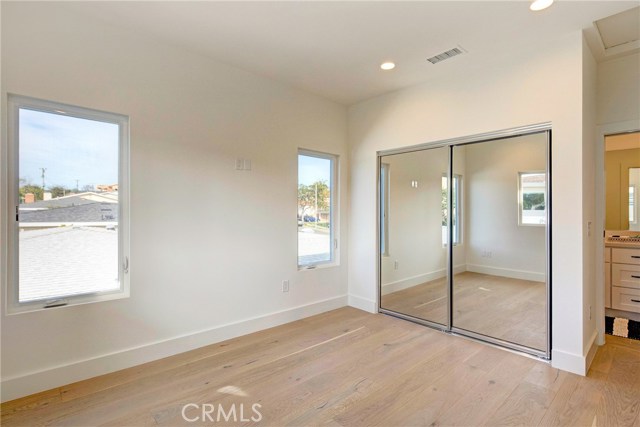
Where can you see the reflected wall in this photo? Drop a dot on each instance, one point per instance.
(491, 282)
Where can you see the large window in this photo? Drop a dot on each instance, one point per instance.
(68, 200)
(532, 198)
(455, 211)
(316, 206)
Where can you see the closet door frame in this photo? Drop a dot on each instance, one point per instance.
(450, 144)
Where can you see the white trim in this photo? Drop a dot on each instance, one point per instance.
(592, 347)
(575, 363)
(569, 362)
(521, 196)
(362, 303)
(33, 382)
(507, 272)
(11, 291)
(602, 131)
(334, 213)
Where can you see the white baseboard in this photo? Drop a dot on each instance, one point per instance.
(592, 347)
(24, 385)
(507, 272)
(576, 363)
(364, 304)
(568, 362)
(410, 282)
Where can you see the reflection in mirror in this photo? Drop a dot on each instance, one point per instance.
(499, 285)
(622, 163)
(634, 186)
(413, 263)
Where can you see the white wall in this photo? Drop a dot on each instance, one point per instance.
(491, 185)
(618, 89)
(415, 218)
(537, 86)
(589, 113)
(210, 246)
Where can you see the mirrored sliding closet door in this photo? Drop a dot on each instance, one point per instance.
(413, 256)
(464, 238)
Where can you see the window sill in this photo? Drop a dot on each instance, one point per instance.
(69, 302)
(318, 266)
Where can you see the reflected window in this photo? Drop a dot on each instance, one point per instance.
(632, 204)
(456, 209)
(532, 198)
(384, 209)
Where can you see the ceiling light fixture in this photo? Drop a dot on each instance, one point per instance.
(388, 66)
(540, 5)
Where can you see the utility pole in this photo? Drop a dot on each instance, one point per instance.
(43, 171)
(77, 185)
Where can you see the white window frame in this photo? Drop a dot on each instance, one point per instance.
(15, 103)
(333, 208)
(521, 193)
(457, 235)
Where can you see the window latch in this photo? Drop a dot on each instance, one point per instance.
(55, 303)
(125, 265)
(17, 213)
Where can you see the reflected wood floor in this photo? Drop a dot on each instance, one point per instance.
(510, 309)
(351, 368)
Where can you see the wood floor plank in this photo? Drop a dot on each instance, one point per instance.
(525, 406)
(580, 408)
(483, 399)
(30, 403)
(620, 403)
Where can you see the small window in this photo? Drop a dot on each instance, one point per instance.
(316, 206)
(384, 209)
(68, 201)
(456, 209)
(532, 198)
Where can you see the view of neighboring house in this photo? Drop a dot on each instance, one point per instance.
(68, 243)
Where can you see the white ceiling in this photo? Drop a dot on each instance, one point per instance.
(334, 49)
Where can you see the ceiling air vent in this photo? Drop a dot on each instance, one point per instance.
(446, 55)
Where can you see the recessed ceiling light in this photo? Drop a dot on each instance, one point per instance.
(540, 4)
(388, 66)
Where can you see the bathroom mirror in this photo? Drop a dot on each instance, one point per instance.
(622, 172)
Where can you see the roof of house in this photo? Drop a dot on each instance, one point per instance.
(87, 212)
(72, 200)
(62, 261)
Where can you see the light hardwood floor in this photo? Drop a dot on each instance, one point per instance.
(510, 309)
(351, 368)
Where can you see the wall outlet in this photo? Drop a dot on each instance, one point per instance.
(395, 265)
(243, 164)
(285, 286)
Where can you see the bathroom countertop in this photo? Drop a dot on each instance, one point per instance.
(621, 244)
